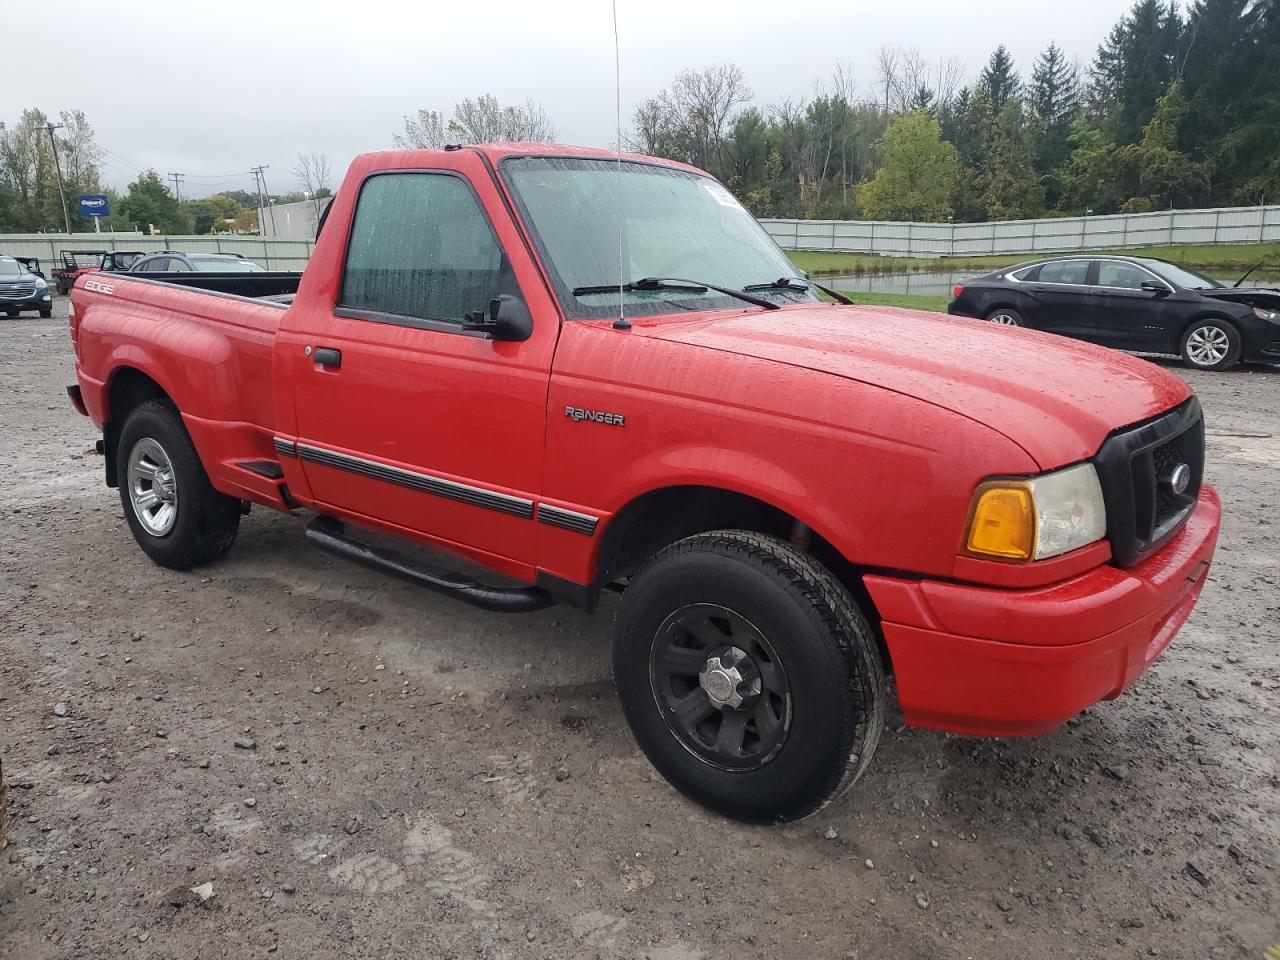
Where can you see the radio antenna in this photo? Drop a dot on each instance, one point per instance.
(621, 323)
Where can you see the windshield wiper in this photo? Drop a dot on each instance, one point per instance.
(676, 283)
(793, 283)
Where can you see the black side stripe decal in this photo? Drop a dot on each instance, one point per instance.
(438, 486)
(567, 519)
(559, 517)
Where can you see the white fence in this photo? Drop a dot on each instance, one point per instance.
(272, 254)
(292, 221)
(891, 238)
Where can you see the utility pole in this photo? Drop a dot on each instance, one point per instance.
(66, 218)
(177, 179)
(264, 198)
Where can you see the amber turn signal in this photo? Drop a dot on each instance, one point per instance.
(1002, 523)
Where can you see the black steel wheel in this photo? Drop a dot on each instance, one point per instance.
(721, 686)
(748, 675)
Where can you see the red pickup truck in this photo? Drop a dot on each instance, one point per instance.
(591, 373)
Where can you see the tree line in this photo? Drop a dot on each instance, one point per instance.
(1173, 111)
(30, 201)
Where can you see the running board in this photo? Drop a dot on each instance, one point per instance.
(328, 535)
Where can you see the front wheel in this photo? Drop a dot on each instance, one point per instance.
(46, 312)
(1006, 317)
(176, 515)
(748, 675)
(1211, 345)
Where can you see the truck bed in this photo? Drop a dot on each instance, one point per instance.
(209, 350)
(270, 284)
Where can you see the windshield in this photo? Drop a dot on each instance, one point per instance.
(1182, 277)
(213, 265)
(674, 224)
(10, 268)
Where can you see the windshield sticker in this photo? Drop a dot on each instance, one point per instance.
(722, 196)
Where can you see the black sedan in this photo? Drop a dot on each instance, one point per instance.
(1131, 303)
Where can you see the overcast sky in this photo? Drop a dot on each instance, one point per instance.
(211, 89)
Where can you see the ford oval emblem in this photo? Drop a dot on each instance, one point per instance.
(1180, 479)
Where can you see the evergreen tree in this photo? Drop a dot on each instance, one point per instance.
(1010, 186)
(1134, 66)
(1053, 99)
(999, 79)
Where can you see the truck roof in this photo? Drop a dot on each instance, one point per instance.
(497, 152)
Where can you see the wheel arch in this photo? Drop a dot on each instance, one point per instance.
(127, 387)
(661, 516)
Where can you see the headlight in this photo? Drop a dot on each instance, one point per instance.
(1037, 518)
(1271, 315)
(41, 283)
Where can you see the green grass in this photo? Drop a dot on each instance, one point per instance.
(1219, 258)
(909, 300)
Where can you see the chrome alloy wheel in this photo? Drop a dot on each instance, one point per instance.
(1207, 346)
(153, 488)
(1003, 319)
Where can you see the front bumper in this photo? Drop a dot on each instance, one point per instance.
(40, 300)
(992, 662)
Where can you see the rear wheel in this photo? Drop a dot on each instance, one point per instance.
(1006, 317)
(1211, 344)
(176, 516)
(748, 675)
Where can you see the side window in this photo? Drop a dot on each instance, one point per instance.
(179, 266)
(1112, 273)
(420, 247)
(1065, 271)
(1026, 273)
(159, 264)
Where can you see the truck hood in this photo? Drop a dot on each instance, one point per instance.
(1056, 398)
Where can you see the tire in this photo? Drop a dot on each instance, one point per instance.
(202, 523)
(12, 314)
(806, 637)
(1211, 344)
(46, 312)
(1006, 317)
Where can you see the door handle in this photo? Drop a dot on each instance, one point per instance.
(327, 357)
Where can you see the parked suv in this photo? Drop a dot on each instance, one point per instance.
(172, 261)
(21, 289)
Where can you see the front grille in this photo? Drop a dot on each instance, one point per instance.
(24, 291)
(1137, 467)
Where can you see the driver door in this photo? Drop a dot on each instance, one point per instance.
(404, 417)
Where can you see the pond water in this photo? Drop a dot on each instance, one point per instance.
(940, 283)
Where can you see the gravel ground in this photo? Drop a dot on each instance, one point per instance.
(364, 769)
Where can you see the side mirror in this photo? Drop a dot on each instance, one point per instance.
(1153, 286)
(506, 319)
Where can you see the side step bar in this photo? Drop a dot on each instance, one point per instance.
(328, 535)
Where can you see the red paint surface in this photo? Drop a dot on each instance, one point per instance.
(871, 425)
